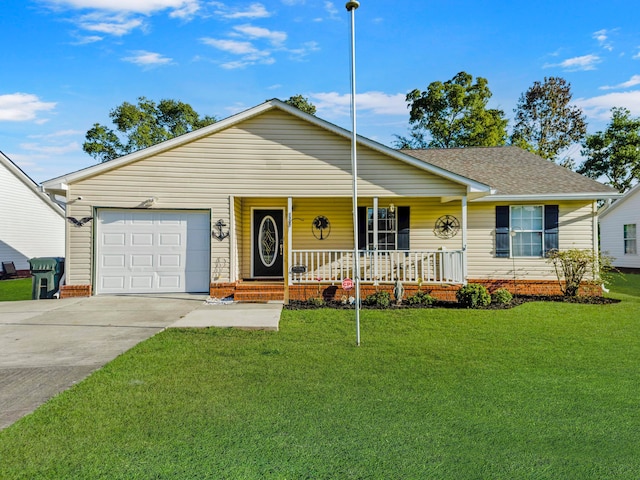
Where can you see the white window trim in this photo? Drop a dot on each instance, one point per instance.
(513, 232)
(376, 231)
(633, 240)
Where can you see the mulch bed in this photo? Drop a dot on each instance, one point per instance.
(516, 301)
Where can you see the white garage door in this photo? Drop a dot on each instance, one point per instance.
(152, 252)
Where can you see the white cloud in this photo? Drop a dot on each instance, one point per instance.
(378, 103)
(51, 149)
(599, 107)
(178, 7)
(585, 62)
(602, 36)
(20, 107)
(331, 9)
(58, 134)
(231, 46)
(147, 59)
(637, 55)
(300, 53)
(87, 39)
(255, 10)
(275, 37)
(117, 24)
(632, 82)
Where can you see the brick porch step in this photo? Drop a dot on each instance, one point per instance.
(259, 291)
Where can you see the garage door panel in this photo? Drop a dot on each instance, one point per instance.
(149, 252)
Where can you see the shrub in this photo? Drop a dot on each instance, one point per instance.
(420, 298)
(378, 299)
(501, 296)
(473, 295)
(573, 264)
(316, 301)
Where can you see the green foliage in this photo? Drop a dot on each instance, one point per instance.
(18, 289)
(473, 295)
(301, 103)
(454, 114)
(546, 123)
(614, 153)
(501, 296)
(420, 298)
(544, 390)
(572, 265)
(141, 126)
(381, 299)
(317, 301)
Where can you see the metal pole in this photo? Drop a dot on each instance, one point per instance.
(351, 7)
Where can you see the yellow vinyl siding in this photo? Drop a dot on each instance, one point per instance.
(575, 231)
(272, 156)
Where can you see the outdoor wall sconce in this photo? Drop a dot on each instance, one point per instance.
(220, 235)
(392, 209)
(149, 202)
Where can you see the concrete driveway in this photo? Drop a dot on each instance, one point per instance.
(48, 345)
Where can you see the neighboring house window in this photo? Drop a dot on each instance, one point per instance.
(526, 230)
(630, 239)
(393, 228)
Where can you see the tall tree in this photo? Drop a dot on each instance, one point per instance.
(546, 123)
(301, 103)
(614, 153)
(454, 114)
(141, 126)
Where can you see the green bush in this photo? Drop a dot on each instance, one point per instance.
(316, 301)
(473, 295)
(420, 298)
(501, 296)
(378, 299)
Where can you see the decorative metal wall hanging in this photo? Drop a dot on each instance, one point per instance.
(321, 227)
(447, 226)
(81, 222)
(220, 235)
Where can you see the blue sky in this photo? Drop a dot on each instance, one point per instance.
(67, 63)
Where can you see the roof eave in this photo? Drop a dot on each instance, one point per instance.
(622, 199)
(549, 197)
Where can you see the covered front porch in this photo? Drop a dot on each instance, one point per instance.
(289, 247)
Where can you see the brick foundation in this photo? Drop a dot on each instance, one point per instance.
(72, 291)
(266, 291)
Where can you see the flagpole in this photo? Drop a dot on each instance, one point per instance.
(351, 7)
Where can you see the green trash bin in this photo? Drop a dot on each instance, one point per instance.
(46, 273)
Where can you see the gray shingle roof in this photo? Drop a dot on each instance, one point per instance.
(510, 170)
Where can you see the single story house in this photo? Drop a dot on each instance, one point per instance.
(259, 206)
(31, 224)
(619, 230)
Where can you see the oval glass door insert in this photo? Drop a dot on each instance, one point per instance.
(268, 237)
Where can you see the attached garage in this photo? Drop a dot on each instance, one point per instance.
(143, 251)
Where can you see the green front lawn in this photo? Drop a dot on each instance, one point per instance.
(18, 289)
(544, 391)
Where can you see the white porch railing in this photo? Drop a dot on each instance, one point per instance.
(432, 266)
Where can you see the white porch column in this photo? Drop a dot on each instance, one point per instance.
(596, 252)
(375, 240)
(289, 240)
(464, 239)
(233, 246)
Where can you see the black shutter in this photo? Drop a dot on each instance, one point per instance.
(362, 228)
(403, 228)
(502, 231)
(551, 217)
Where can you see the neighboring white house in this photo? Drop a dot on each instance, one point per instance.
(619, 230)
(31, 224)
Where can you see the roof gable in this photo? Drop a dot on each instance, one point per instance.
(29, 183)
(626, 198)
(60, 183)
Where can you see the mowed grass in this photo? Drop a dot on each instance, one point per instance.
(543, 391)
(18, 289)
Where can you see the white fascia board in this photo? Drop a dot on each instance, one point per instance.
(548, 197)
(634, 191)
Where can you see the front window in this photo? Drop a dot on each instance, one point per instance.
(630, 245)
(387, 231)
(527, 230)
